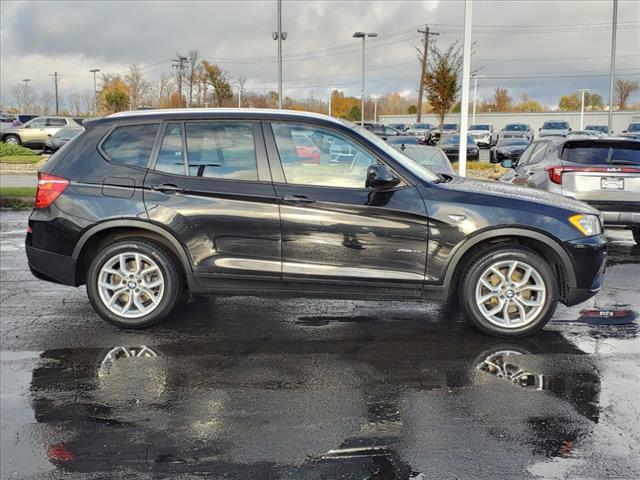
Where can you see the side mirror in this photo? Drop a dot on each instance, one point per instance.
(623, 131)
(380, 176)
(49, 135)
(507, 163)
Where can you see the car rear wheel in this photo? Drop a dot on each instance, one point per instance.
(12, 140)
(509, 292)
(636, 235)
(133, 283)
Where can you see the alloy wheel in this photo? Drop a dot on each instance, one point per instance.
(131, 284)
(510, 294)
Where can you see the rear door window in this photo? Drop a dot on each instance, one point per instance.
(221, 150)
(56, 122)
(131, 145)
(171, 154)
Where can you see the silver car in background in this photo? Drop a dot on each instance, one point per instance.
(554, 127)
(603, 172)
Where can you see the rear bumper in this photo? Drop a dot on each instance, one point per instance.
(51, 266)
(619, 213)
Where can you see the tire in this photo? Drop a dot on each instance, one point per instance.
(636, 235)
(12, 140)
(540, 292)
(148, 297)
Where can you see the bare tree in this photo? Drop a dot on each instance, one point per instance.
(137, 85)
(217, 78)
(192, 60)
(75, 102)
(624, 89)
(46, 103)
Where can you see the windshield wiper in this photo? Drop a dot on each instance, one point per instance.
(622, 162)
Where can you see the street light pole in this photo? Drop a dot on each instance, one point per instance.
(375, 108)
(279, 36)
(582, 90)
(363, 36)
(330, 99)
(466, 70)
(475, 98)
(614, 28)
(26, 93)
(95, 91)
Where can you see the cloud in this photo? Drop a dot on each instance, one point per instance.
(559, 38)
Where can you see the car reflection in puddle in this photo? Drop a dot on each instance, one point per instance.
(393, 409)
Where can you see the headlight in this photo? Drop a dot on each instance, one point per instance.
(587, 224)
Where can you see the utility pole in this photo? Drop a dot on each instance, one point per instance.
(95, 91)
(179, 64)
(26, 94)
(475, 98)
(423, 69)
(279, 36)
(612, 71)
(375, 108)
(330, 99)
(55, 82)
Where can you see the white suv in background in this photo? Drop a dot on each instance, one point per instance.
(482, 133)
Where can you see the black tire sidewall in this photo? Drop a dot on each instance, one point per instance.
(469, 281)
(164, 262)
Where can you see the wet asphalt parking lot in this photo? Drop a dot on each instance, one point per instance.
(247, 388)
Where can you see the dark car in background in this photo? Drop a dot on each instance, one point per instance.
(145, 208)
(60, 138)
(603, 172)
(513, 130)
(431, 157)
(451, 147)
(508, 148)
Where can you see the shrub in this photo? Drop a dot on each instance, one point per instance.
(12, 150)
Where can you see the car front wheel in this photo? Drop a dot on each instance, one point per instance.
(509, 292)
(133, 283)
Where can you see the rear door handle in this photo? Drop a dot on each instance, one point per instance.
(167, 188)
(297, 199)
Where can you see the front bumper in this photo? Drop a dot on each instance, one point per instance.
(51, 266)
(589, 258)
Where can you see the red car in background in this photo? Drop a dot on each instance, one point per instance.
(308, 154)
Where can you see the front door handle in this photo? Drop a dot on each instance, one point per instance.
(167, 188)
(297, 199)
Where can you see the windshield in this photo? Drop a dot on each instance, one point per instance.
(602, 153)
(513, 141)
(411, 165)
(455, 139)
(400, 139)
(480, 127)
(517, 127)
(421, 126)
(430, 157)
(555, 126)
(634, 127)
(597, 128)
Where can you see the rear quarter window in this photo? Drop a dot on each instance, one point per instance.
(131, 145)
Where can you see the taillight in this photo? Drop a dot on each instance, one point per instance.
(555, 173)
(49, 188)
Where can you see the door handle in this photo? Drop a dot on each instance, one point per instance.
(167, 188)
(297, 199)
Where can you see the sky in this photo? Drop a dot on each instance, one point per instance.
(545, 48)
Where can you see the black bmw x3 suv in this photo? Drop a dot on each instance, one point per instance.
(147, 208)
